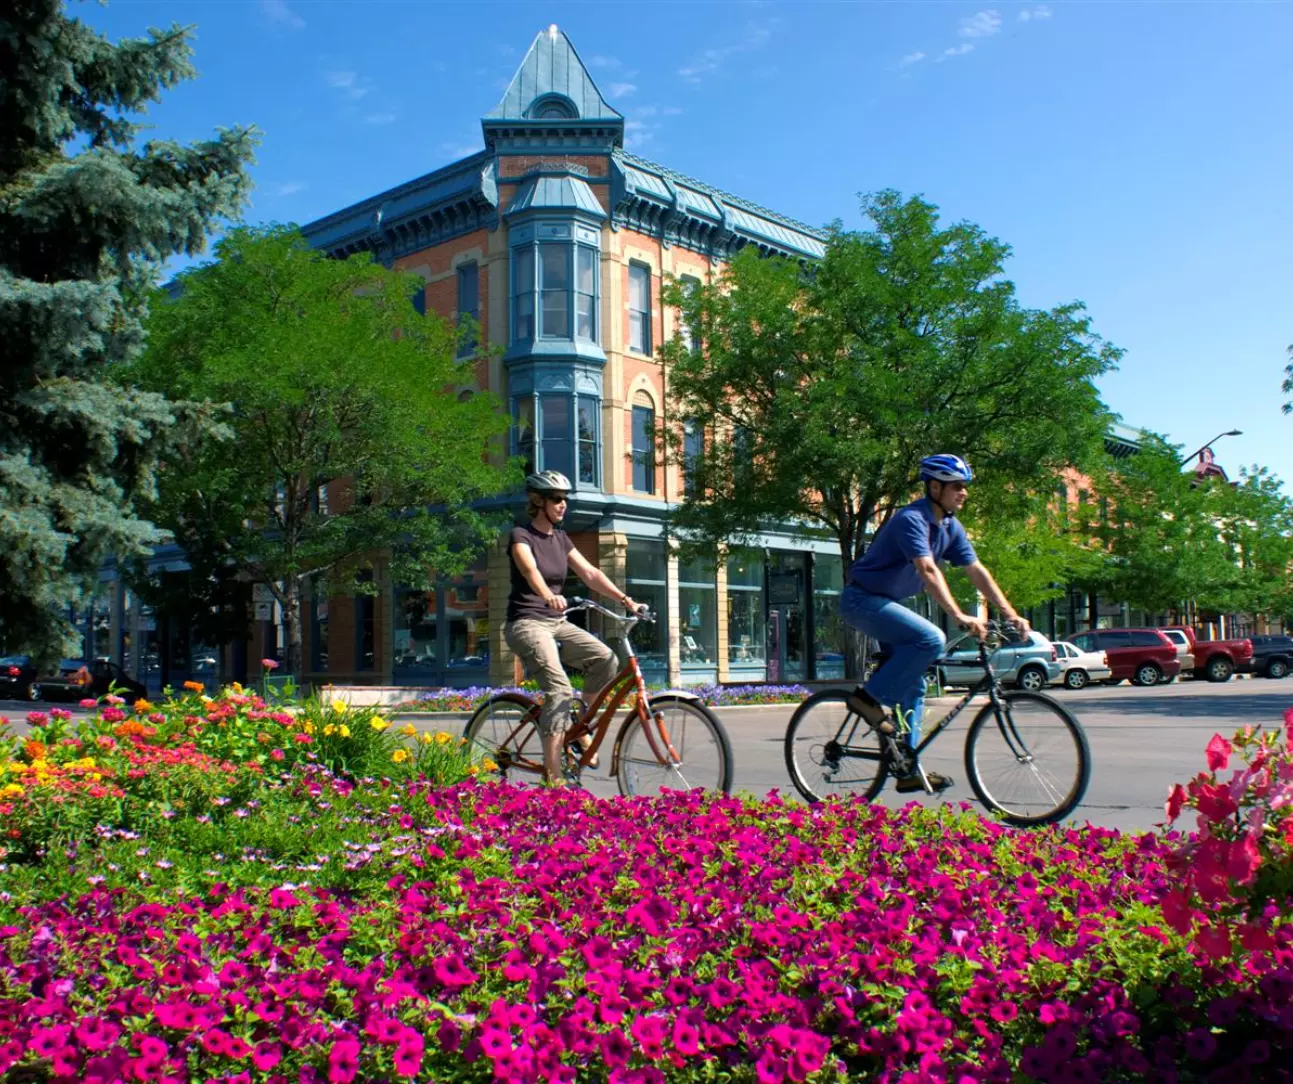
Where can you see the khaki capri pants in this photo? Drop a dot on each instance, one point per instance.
(535, 642)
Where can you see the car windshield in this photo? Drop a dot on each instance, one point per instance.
(15, 660)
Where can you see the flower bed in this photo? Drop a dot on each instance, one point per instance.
(211, 912)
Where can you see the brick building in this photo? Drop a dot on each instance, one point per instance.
(556, 241)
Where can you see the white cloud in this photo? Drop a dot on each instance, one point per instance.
(622, 90)
(711, 61)
(671, 110)
(278, 13)
(911, 58)
(958, 50)
(351, 84)
(603, 62)
(380, 118)
(454, 151)
(290, 188)
(1039, 12)
(982, 24)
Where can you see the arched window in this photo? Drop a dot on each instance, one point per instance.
(553, 107)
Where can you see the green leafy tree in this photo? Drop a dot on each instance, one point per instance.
(87, 215)
(1255, 520)
(354, 437)
(1287, 386)
(821, 389)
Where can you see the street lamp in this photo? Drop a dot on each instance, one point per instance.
(1227, 433)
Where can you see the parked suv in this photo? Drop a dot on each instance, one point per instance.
(1144, 655)
(1031, 664)
(1272, 656)
(1216, 660)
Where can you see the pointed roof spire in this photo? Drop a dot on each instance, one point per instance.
(553, 84)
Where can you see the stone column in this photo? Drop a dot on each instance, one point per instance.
(675, 618)
(502, 663)
(612, 559)
(720, 600)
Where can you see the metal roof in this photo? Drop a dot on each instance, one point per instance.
(568, 193)
(552, 67)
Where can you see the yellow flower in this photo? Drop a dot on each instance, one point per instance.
(95, 777)
(142, 706)
(236, 687)
(343, 730)
(308, 726)
(472, 769)
(329, 730)
(400, 756)
(489, 765)
(12, 790)
(443, 738)
(408, 730)
(340, 706)
(207, 700)
(424, 738)
(378, 723)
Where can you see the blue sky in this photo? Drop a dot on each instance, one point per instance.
(1136, 156)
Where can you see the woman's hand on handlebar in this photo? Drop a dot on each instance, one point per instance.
(556, 603)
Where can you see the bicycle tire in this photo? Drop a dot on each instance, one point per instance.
(1037, 720)
(497, 730)
(635, 759)
(812, 727)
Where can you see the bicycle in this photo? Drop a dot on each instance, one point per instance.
(830, 750)
(669, 737)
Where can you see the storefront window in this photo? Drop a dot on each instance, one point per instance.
(365, 627)
(746, 623)
(319, 636)
(698, 614)
(466, 618)
(442, 633)
(645, 575)
(415, 634)
(101, 627)
(829, 643)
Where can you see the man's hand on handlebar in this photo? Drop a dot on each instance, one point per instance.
(1020, 626)
(974, 625)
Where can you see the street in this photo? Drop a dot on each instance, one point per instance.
(1142, 741)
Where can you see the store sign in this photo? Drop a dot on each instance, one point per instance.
(783, 588)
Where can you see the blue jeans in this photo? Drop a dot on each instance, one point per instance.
(914, 643)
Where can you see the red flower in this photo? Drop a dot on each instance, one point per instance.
(1219, 751)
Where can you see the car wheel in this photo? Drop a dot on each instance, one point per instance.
(1277, 668)
(33, 692)
(1220, 670)
(1076, 679)
(1031, 679)
(1148, 674)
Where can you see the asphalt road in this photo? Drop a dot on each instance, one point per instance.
(1142, 741)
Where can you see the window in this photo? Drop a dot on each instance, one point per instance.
(415, 634)
(319, 634)
(523, 428)
(829, 640)
(365, 628)
(419, 300)
(1109, 639)
(644, 575)
(1147, 639)
(468, 306)
(588, 416)
(586, 293)
(689, 286)
(644, 449)
(556, 434)
(522, 294)
(693, 446)
(698, 614)
(746, 624)
(554, 284)
(640, 308)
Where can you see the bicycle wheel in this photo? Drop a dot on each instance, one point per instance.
(502, 732)
(820, 731)
(1030, 763)
(644, 764)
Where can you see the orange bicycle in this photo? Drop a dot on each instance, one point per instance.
(668, 740)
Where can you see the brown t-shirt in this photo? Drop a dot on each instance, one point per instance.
(551, 555)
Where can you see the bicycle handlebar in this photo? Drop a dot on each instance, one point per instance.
(643, 613)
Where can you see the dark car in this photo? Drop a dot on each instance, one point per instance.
(77, 680)
(16, 674)
(1144, 655)
(1272, 656)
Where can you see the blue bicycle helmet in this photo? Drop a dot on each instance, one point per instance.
(945, 468)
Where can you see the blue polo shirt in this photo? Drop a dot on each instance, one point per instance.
(886, 568)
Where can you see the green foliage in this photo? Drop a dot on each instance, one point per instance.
(351, 433)
(826, 388)
(87, 216)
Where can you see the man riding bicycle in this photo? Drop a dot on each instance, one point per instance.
(541, 556)
(901, 561)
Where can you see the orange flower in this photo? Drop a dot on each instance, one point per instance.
(195, 686)
(35, 750)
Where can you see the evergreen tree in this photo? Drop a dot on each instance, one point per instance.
(87, 216)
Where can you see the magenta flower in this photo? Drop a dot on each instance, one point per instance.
(269, 664)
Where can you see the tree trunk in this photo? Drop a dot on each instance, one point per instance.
(292, 627)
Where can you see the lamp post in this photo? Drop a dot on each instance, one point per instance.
(1227, 433)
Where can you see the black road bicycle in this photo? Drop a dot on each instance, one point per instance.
(1026, 755)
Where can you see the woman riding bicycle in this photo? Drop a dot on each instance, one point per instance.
(541, 556)
(902, 560)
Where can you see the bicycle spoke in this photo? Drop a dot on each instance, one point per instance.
(499, 734)
(829, 753)
(700, 757)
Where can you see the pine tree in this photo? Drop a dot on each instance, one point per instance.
(87, 216)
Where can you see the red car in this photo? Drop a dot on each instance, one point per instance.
(1144, 655)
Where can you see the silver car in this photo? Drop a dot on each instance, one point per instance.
(1031, 664)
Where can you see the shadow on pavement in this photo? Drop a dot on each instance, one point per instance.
(1256, 709)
